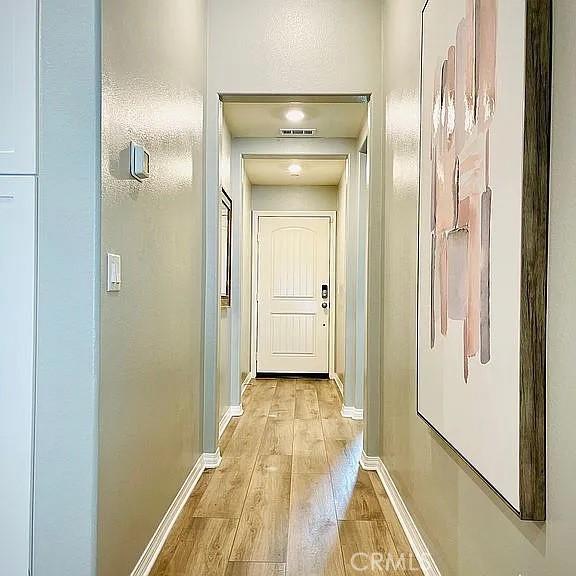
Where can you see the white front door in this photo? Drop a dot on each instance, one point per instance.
(17, 296)
(293, 294)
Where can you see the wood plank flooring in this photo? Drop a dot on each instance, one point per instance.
(289, 498)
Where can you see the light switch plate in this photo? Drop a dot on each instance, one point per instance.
(114, 273)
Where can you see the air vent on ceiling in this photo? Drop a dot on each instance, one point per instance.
(297, 132)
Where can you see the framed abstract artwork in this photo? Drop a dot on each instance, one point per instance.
(482, 238)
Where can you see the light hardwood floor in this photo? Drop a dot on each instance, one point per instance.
(289, 498)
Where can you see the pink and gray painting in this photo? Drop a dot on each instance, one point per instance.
(463, 112)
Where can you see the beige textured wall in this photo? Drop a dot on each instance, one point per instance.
(469, 530)
(150, 398)
(294, 198)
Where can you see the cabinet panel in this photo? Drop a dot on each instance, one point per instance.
(18, 61)
(17, 335)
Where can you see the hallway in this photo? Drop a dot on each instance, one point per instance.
(289, 497)
(367, 203)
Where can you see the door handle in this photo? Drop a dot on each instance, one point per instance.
(324, 305)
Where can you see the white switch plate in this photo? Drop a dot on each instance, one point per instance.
(114, 273)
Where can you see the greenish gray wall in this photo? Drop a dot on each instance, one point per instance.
(224, 333)
(360, 316)
(341, 269)
(223, 382)
(65, 480)
(246, 280)
(151, 395)
(469, 530)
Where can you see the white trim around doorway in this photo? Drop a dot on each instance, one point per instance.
(256, 214)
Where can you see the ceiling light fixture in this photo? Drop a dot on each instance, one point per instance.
(295, 115)
(295, 169)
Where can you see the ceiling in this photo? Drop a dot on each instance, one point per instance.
(274, 171)
(265, 119)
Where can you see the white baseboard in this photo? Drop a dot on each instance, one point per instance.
(232, 412)
(421, 551)
(224, 421)
(247, 381)
(212, 459)
(150, 554)
(336, 378)
(370, 462)
(236, 411)
(354, 413)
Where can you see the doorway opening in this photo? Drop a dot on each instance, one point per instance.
(296, 170)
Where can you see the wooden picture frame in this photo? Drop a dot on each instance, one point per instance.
(225, 268)
(533, 189)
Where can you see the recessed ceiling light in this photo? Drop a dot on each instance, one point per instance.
(295, 169)
(295, 115)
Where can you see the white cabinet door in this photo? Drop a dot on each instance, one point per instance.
(18, 86)
(17, 317)
(293, 315)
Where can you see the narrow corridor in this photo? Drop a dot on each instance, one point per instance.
(289, 497)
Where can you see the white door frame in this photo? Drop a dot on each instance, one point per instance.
(256, 215)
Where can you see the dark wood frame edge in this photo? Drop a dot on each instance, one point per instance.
(533, 305)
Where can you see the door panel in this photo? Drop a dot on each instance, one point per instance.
(17, 317)
(293, 334)
(293, 264)
(18, 87)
